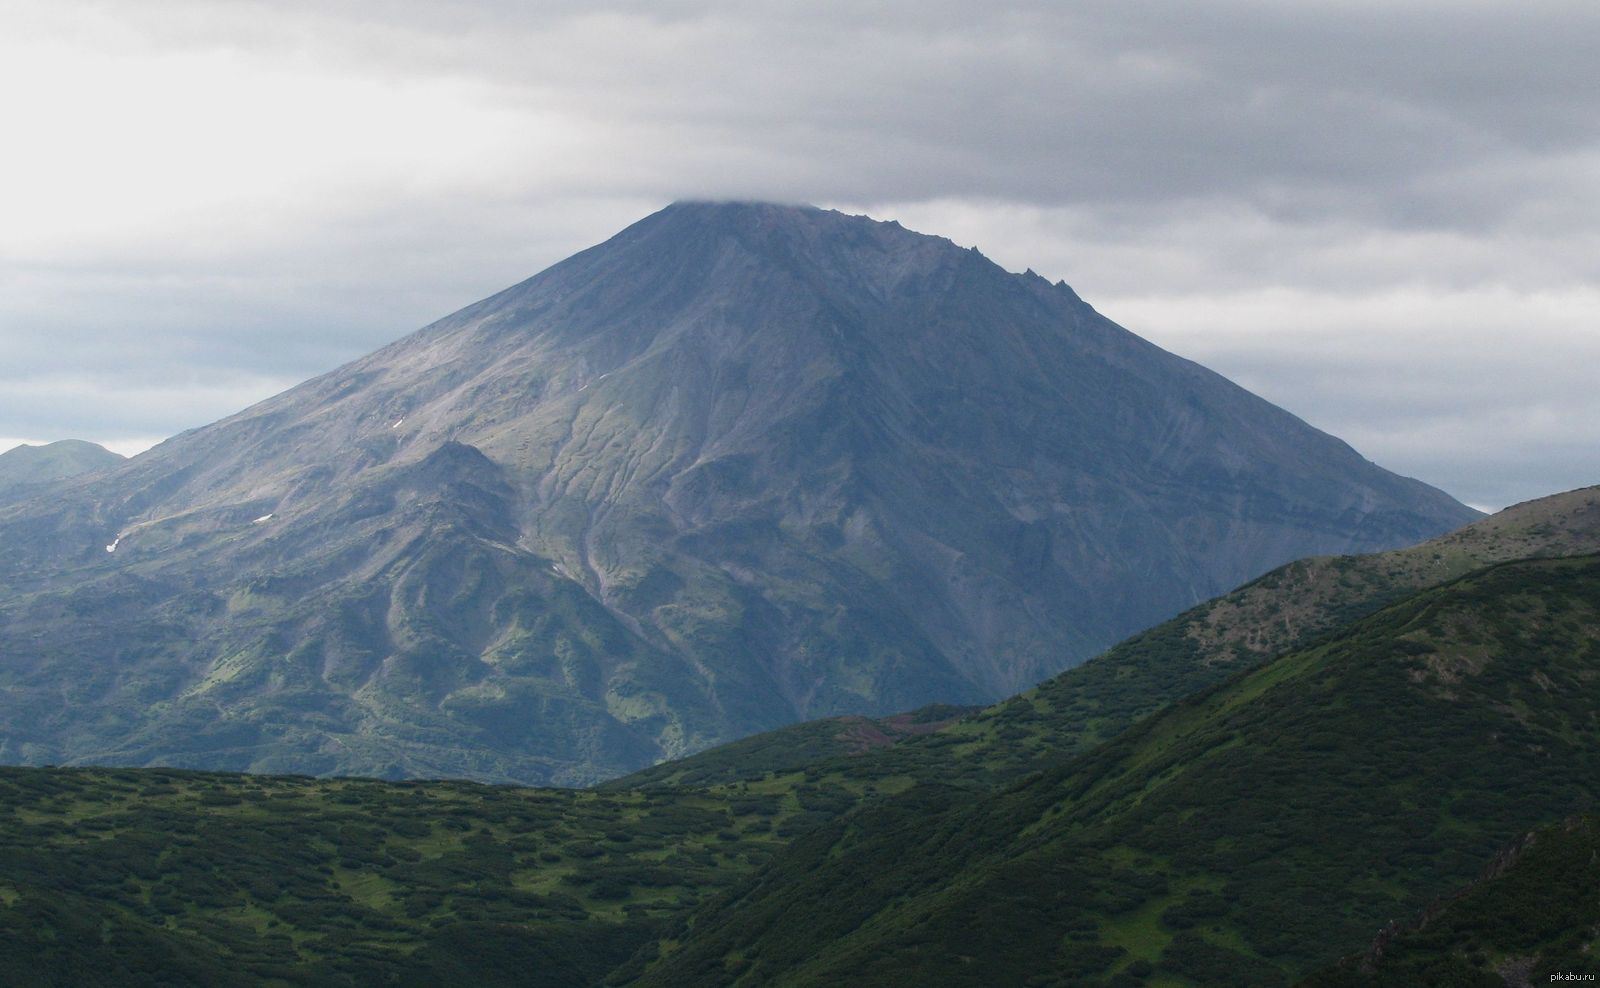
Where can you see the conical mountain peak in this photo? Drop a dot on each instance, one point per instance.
(740, 464)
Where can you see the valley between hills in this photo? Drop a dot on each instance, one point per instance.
(1245, 794)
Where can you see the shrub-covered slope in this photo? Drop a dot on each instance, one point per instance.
(159, 877)
(1244, 835)
(1533, 916)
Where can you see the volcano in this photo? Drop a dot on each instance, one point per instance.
(740, 465)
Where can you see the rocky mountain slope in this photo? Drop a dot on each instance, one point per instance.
(738, 466)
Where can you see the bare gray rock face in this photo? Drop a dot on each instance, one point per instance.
(740, 465)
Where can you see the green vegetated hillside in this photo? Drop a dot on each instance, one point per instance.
(1535, 915)
(1241, 836)
(1091, 703)
(25, 469)
(125, 877)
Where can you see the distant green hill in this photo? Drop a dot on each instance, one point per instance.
(1533, 917)
(25, 468)
(123, 877)
(1239, 837)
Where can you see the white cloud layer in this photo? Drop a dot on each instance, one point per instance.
(1380, 216)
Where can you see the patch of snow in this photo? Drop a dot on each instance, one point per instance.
(397, 423)
(265, 517)
(114, 543)
(584, 388)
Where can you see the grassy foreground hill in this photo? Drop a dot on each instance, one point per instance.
(1242, 836)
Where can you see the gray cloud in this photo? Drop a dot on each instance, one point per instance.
(1219, 177)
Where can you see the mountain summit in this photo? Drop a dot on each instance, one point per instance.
(739, 465)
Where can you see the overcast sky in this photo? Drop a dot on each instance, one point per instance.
(1381, 215)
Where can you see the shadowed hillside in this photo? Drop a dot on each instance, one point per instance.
(1533, 916)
